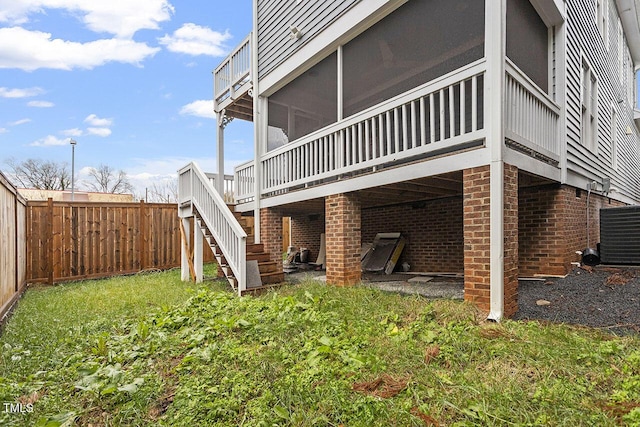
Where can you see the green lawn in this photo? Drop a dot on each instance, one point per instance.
(144, 350)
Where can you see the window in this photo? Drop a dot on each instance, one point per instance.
(614, 138)
(629, 79)
(602, 18)
(620, 52)
(528, 42)
(589, 104)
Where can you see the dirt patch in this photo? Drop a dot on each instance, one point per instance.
(160, 407)
(384, 386)
(620, 277)
(431, 353)
(428, 420)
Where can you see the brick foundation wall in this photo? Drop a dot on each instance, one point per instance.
(553, 227)
(306, 231)
(343, 223)
(271, 232)
(575, 220)
(432, 229)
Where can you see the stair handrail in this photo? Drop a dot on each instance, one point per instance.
(230, 237)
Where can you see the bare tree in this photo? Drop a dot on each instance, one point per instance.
(164, 192)
(40, 174)
(105, 179)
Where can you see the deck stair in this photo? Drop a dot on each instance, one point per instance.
(270, 271)
(246, 265)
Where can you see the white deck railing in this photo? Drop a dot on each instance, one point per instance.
(531, 117)
(195, 188)
(244, 180)
(229, 187)
(233, 71)
(437, 116)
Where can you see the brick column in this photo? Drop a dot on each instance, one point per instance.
(477, 232)
(477, 258)
(343, 240)
(271, 232)
(510, 240)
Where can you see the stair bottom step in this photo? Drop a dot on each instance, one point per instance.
(274, 278)
(261, 289)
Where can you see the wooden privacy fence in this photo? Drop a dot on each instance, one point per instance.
(13, 250)
(75, 240)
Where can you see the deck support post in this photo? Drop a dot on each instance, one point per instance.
(271, 229)
(343, 239)
(185, 260)
(220, 125)
(259, 124)
(198, 254)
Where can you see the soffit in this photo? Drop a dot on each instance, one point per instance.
(629, 11)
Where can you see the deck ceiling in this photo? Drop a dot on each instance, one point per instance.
(414, 191)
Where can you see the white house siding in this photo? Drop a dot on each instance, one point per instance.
(584, 40)
(275, 18)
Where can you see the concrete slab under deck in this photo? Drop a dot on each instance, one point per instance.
(436, 287)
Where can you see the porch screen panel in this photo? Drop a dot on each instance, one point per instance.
(417, 43)
(528, 42)
(308, 103)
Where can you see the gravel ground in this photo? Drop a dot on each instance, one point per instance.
(602, 297)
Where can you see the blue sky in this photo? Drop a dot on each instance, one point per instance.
(130, 81)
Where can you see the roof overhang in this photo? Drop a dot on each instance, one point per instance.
(629, 11)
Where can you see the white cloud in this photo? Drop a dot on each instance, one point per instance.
(122, 18)
(154, 167)
(103, 132)
(72, 132)
(40, 104)
(94, 120)
(49, 141)
(85, 172)
(169, 166)
(38, 50)
(19, 122)
(195, 40)
(19, 93)
(200, 108)
(3, 130)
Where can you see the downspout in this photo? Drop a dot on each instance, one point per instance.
(257, 125)
(495, 29)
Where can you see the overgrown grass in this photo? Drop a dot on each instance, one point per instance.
(304, 355)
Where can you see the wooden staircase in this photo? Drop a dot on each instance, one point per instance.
(271, 272)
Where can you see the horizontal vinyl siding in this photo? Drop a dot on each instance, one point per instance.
(584, 40)
(275, 17)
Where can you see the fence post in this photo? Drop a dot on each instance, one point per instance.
(28, 224)
(50, 240)
(16, 228)
(142, 247)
